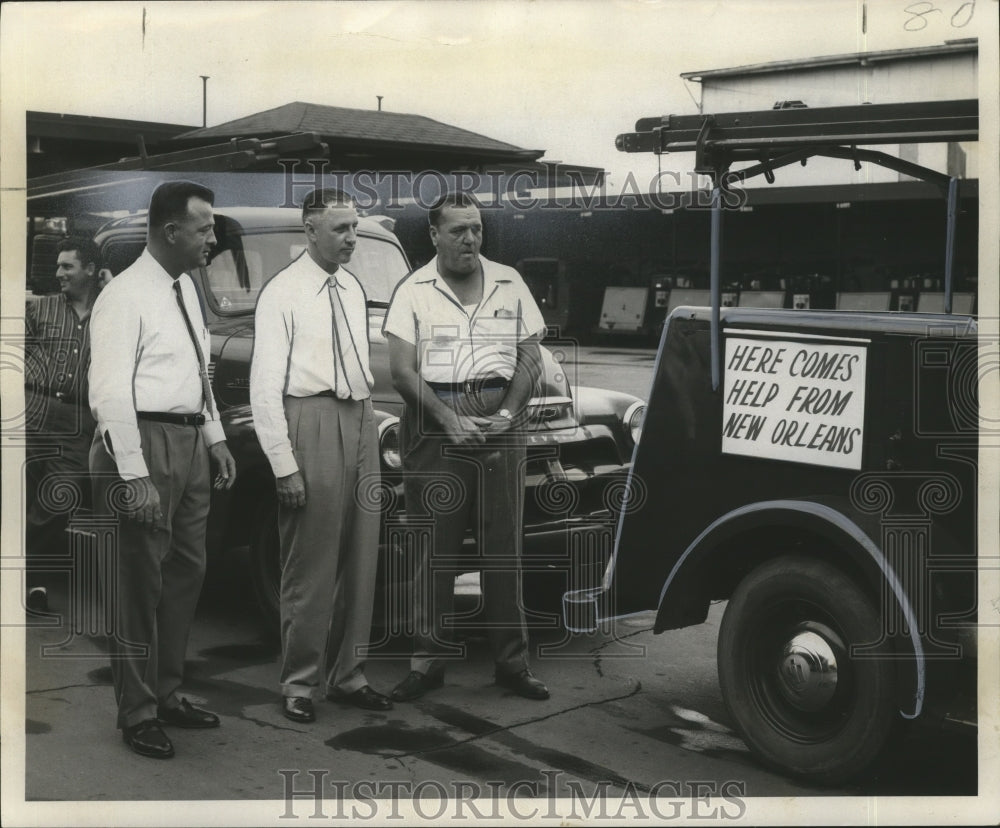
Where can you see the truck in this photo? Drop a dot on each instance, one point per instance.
(817, 470)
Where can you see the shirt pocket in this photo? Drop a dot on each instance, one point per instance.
(442, 347)
(502, 328)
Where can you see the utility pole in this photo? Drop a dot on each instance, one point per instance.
(204, 99)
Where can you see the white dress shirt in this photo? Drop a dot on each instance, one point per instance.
(455, 344)
(142, 359)
(311, 337)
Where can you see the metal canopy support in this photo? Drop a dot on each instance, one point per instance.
(715, 285)
(949, 255)
(851, 153)
(771, 164)
(889, 162)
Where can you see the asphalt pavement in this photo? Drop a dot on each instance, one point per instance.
(617, 718)
(631, 714)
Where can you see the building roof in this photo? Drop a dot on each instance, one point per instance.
(92, 128)
(370, 127)
(949, 47)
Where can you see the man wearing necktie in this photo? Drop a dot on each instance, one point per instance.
(310, 393)
(158, 431)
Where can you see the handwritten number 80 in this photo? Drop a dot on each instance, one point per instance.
(918, 12)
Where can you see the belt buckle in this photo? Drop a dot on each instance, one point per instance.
(469, 386)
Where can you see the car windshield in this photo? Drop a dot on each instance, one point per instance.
(241, 268)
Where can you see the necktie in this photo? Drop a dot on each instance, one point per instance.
(347, 369)
(206, 389)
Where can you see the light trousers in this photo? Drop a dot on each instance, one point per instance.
(329, 547)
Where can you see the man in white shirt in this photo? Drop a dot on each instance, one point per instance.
(310, 393)
(464, 353)
(158, 429)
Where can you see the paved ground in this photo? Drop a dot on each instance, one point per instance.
(628, 711)
(615, 367)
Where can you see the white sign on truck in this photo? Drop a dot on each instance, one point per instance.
(799, 400)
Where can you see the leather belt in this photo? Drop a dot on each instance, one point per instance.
(333, 394)
(473, 386)
(171, 417)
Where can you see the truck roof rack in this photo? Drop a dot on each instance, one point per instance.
(777, 137)
(766, 135)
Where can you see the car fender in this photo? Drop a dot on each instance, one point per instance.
(849, 535)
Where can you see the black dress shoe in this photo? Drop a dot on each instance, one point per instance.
(524, 684)
(415, 685)
(186, 715)
(298, 709)
(365, 697)
(147, 739)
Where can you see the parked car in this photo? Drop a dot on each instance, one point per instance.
(579, 444)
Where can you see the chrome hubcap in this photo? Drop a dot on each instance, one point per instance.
(807, 672)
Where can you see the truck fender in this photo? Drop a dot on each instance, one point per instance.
(845, 533)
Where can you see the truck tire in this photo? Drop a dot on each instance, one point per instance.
(802, 704)
(265, 562)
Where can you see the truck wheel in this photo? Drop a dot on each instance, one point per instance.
(265, 557)
(802, 703)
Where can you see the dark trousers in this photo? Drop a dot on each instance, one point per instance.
(56, 474)
(159, 571)
(450, 489)
(329, 547)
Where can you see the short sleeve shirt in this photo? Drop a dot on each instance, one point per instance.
(455, 344)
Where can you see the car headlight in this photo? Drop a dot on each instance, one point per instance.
(634, 416)
(388, 443)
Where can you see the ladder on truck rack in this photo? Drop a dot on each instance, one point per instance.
(775, 138)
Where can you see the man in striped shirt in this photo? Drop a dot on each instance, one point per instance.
(310, 393)
(60, 426)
